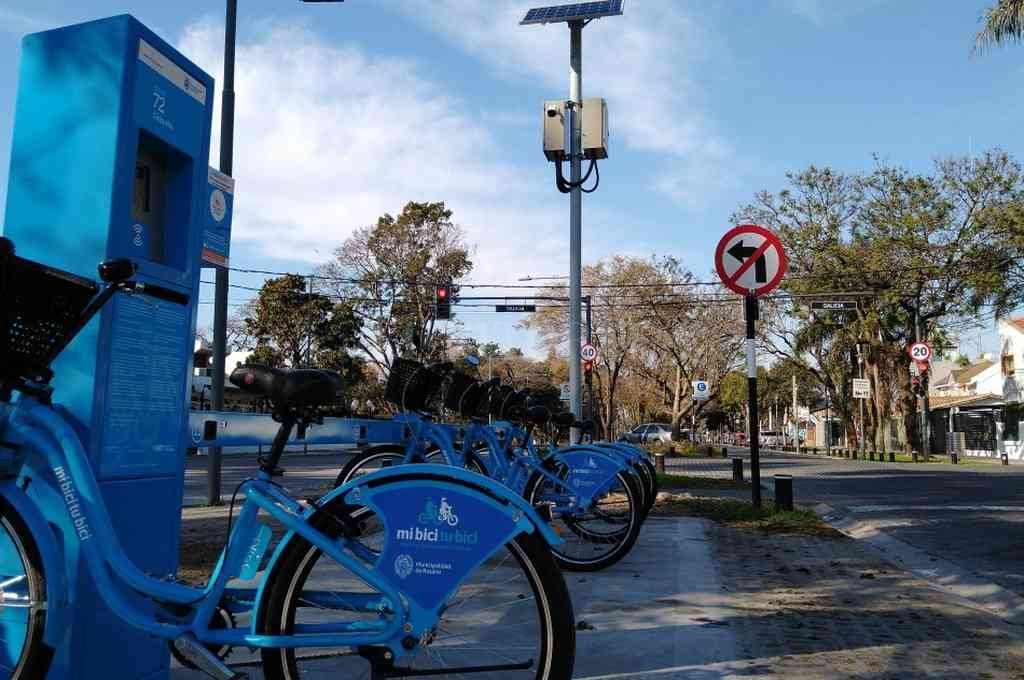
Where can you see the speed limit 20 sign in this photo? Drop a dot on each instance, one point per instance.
(921, 352)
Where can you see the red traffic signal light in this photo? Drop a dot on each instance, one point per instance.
(443, 301)
(588, 366)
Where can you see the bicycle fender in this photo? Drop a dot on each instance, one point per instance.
(393, 493)
(57, 620)
(591, 471)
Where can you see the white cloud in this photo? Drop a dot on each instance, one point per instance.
(328, 138)
(18, 23)
(641, 62)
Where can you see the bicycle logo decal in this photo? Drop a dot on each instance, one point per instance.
(439, 515)
(403, 566)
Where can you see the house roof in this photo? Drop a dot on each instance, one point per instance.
(968, 373)
(1017, 323)
(963, 400)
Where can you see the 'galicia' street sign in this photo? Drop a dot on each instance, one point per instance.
(834, 306)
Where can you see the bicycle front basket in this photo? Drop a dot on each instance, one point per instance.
(462, 394)
(41, 309)
(410, 385)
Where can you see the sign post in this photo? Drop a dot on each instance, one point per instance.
(750, 261)
(921, 353)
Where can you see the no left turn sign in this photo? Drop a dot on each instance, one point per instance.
(750, 260)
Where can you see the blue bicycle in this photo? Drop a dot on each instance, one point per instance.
(592, 499)
(421, 570)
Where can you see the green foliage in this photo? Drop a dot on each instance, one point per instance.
(1003, 22)
(390, 271)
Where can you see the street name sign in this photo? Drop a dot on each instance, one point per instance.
(515, 308)
(834, 306)
(701, 391)
(588, 352)
(750, 260)
(861, 388)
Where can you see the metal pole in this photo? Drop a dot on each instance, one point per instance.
(863, 427)
(926, 445)
(796, 418)
(575, 217)
(755, 454)
(828, 422)
(590, 375)
(220, 296)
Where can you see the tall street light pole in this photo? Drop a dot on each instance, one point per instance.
(220, 296)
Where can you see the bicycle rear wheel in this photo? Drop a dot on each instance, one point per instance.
(23, 655)
(514, 610)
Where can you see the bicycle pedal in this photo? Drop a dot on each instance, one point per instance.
(205, 660)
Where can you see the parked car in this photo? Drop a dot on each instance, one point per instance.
(648, 433)
(772, 440)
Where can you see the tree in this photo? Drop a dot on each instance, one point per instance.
(1004, 22)
(295, 327)
(389, 273)
(918, 251)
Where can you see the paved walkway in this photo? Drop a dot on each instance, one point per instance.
(698, 600)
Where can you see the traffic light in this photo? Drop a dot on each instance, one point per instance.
(443, 301)
(588, 366)
(917, 386)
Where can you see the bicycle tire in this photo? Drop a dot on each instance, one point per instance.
(19, 552)
(622, 541)
(289, 574)
(397, 457)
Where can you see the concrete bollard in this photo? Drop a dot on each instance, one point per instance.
(853, 454)
(954, 458)
(737, 469)
(892, 456)
(783, 492)
(1005, 458)
(659, 463)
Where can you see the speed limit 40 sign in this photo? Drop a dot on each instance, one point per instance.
(588, 352)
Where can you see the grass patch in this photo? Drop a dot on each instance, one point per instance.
(742, 514)
(666, 481)
(685, 450)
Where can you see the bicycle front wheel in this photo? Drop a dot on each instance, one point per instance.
(513, 614)
(23, 654)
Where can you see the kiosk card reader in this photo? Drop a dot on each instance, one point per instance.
(109, 159)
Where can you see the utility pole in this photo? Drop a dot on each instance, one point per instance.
(220, 296)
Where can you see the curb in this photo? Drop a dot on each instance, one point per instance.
(971, 589)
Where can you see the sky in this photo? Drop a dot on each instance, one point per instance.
(348, 111)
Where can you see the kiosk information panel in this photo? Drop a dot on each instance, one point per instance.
(109, 159)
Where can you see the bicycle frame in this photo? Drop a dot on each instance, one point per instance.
(40, 431)
(47, 433)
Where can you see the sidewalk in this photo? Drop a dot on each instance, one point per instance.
(700, 600)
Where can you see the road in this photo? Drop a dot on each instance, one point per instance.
(970, 515)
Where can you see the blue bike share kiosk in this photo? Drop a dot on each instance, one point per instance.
(110, 159)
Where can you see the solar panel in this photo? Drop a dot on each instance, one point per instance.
(581, 11)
